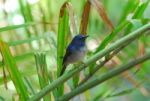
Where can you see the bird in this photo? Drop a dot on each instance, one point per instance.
(75, 51)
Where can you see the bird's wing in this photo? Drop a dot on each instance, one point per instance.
(68, 53)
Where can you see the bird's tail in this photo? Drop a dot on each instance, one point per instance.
(63, 69)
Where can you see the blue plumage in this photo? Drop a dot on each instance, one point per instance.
(75, 51)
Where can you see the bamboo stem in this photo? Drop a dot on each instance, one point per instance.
(100, 79)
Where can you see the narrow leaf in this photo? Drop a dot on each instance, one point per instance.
(42, 73)
(63, 29)
(8, 28)
(99, 7)
(13, 71)
(85, 18)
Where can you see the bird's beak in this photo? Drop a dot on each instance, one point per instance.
(86, 36)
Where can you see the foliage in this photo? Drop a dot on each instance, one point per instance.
(35, 33)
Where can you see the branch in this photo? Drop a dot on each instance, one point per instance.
(93, 59)
(100, 79)
(97, 67)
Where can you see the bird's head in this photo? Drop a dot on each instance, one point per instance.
(79, 40)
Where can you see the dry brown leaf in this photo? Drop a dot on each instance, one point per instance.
(141, 52)
(71, 16)
(127, 75)
(100, 8)
(85, 17)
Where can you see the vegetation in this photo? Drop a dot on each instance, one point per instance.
(35, 33)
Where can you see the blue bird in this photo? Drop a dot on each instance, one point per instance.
(75, 51)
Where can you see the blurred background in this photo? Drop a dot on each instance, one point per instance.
(31, 26)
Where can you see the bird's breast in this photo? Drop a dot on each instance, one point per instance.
(77, 55)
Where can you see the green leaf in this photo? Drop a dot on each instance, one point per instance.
(111, 36)
(14, 73)
(63, 30)
(121, 93)
(76, 79)
(29, 85)
(2, 99)
(137, 14)
(29, 40)
(131, 5)
(42, 72)
(8, 28)
(136, 23)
